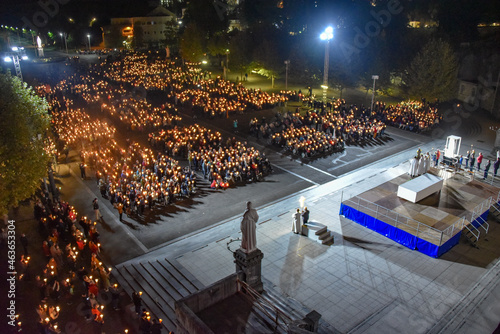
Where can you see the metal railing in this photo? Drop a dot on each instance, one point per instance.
(281, 319)
(454, 228)
(477, 234)
(423, 231)
(414, 227)
(496, 205)
(479, 210)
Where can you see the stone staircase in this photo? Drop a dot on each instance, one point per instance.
(291, 307)
(162, 282)
(318, 232)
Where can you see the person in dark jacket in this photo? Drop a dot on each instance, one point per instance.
(496, 165)
(486, 169)
(305, 216)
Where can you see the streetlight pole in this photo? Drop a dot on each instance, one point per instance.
(227, 64)
(63, 35)
(327, 35)
(14, 57)
(374, 77)
(60, 34)
(66, 42)
(287, 62)
(88, 36)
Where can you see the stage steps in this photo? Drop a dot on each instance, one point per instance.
(318, 232)
(472, 234)
(162, 282)
(496, 209)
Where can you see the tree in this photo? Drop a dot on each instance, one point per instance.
(302, 69)
(24, 123)
(217, 45)
(191, 44)
(138, 40)
(258, 13)
(432, 74)
(209, 16)
(268, 60)
(171, 32)
(342, 76)
(240, 47)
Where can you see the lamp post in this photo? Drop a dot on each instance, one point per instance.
(60, 34)
(326, 35)
(65, 40)
(287, 62)
(88, 36)
(226, 68)
(374, 77)
(14, 57)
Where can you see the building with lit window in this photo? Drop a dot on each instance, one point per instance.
(150, 30)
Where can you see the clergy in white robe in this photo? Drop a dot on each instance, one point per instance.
(296, 228)
(413, 167)
(420, 169)
(427, 162)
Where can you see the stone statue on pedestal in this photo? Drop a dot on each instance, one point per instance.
(248, 229)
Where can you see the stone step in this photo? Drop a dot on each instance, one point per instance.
(328, 241)
(324, 235)
(321, 230)
(293, 308)
(167, 285)
(287, 305)
(169, 280)
(162, 282)
(160, 296)
(321, 233)
(131, 284)
(183, 273)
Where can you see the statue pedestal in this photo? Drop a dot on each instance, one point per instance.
(250, 266)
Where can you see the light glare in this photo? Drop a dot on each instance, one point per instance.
(327, 34)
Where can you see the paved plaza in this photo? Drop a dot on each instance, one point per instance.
(364, 282)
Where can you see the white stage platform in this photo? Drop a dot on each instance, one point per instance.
(420, 187)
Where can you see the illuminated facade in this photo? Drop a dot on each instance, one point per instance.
(142, 31)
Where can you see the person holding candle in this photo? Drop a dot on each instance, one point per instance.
(95, 206)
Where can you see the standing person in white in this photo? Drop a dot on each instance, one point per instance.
(296, 228)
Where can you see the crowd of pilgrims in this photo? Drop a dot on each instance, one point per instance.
(223, 163)
(67, 265)
(135, 175)
(190, 86)
(119, 88)
(71, 267)
(416, 116)
(319, 132)
(328, 127)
